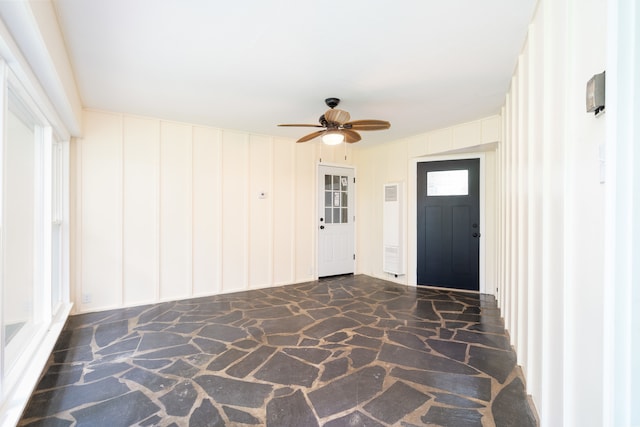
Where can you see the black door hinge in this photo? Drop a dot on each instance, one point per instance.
(354, 256)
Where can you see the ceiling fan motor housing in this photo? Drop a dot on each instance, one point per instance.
(332, 102)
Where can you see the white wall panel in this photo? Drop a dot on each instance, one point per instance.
(467, 135)
(207, 208)
(101, 211)
(440, 141)
(491, 129)
(305, 213)
(260, 212)
(175, 211)
(283, 198)
(235, 214)
(141, 154)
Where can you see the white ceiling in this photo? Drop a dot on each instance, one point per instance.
(251, 64)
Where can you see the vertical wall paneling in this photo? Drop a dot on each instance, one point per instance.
(141, 159)
(585, 135)
(284, 210)
(552, 400)
(175, 211)
(305, 214)
(235, 155)
(552, 214)
(535, 171)
(512, 320)
(622, 242)
(168, 211)
(207, 202)
(260, 222)
(101, 195)
(523, 197)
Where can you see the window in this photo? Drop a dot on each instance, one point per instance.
(448, 183)
(336, 198)
(23, 228)
(34, 289)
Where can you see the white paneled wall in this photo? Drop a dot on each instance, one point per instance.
(169, 210)
(141, 213)
(551, 214)
(101, 218)
(207, 211)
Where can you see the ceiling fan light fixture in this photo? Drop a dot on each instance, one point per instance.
(333, 137)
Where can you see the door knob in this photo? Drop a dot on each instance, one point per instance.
(322, 227)
(476, 234)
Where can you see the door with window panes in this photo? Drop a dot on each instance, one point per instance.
(335, 221)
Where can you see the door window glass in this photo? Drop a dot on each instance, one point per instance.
(448, 183)
(336, 199)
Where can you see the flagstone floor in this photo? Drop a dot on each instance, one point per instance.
(345, 351)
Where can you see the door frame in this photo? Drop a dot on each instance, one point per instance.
(316, 216)
(412, 225)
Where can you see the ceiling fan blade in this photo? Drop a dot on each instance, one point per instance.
(337, 116)
(302, 125)
(351, 136)
(367, 125)
(311, 136)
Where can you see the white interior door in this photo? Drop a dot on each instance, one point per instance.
(335, 221)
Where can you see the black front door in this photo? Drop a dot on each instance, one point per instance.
(449, 224)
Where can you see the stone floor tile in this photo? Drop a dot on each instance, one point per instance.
(180, 368)
(286, 370)
(312, 355)
(206, 415)
(396, 402)
(251, 362)
(105, 370)
(452, 417)
(226, 359)
(125, 410)
(237, 416)
(291, 410)
(454, 350)
(464, 385)
(58, 400)
(153, 382)
(348, 392)
(422, 360)
(356, 418)
(497, 363)
(234, 392)
(180, 399)
(510, 407)
(362, 357)
(334, 369)
(458, 401)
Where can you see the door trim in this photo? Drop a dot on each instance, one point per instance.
(317, 215)
(412, 223)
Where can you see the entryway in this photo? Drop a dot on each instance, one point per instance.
(335, 221)
(448, 224)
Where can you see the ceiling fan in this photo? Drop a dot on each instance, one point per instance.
(338, 127)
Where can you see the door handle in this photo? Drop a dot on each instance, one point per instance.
(322, 227)
(476, 234)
